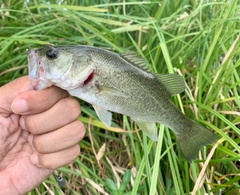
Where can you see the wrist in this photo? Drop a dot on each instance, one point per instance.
(6, 186)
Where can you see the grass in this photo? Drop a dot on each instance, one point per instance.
(198, 39)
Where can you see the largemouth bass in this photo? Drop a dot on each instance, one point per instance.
(120, 83)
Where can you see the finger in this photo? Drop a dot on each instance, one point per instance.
(32, 102)
(62, 113)
(56, 159)
(9, 91)
(60, 139)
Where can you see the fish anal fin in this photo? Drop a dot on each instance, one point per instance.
(149, 128)
(104, 115)
(174, 83)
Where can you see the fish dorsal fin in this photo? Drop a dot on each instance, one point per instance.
(136, 60)
(174, 83)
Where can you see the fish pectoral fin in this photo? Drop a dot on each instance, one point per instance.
(149, 128)
(173, 82)
(104, 115)
(110, 91)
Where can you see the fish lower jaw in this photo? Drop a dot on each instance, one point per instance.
(38, 84)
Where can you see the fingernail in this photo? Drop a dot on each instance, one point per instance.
(34, 159)
(19, 106)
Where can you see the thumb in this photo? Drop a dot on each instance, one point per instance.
(9, 91)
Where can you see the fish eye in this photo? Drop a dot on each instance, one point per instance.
(51, 54)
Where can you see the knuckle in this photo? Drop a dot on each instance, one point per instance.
(72, 106)
(45, 162)
(31, 125)
(78, 129)
(38, 144)
(55, 160)
(73, 153)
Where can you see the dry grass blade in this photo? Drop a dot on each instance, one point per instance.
(200, 178)
(12, 69)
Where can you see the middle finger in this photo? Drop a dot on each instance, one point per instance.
(62, 113)
(59, 139)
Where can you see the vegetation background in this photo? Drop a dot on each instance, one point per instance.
(198, 39)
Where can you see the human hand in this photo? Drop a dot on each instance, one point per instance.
(37, 135)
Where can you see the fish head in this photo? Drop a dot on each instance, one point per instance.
(57, 66)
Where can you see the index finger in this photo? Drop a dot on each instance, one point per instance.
(33, 102)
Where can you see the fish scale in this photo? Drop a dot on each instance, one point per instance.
(120, 83)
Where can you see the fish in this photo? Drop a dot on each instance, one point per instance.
(120, 83)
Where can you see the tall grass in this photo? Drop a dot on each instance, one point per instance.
(197, 39)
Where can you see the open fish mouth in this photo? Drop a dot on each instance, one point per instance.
(36, 69)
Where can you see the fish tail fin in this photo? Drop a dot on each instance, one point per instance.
(192, 141)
